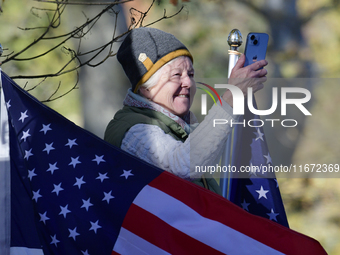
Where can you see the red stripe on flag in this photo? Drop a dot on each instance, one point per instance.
(215, 207)
(147, 226)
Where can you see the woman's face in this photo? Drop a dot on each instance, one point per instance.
(176, 87)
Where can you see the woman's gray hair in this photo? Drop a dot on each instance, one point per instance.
(154, 79)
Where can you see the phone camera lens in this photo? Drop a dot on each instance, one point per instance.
(255, 42)
(252, 37)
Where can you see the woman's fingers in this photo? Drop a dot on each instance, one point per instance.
(252, 71)
(258, 65)
(240, 62)
(260, 73)
(252, 76)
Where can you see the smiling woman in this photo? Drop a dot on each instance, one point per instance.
(175, 87)
(156, 124)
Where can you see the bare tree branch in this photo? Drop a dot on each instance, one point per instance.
(165, 16)
(75, 86)
(92, 57)
(86, 3)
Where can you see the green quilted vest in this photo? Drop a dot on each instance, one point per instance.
(127, 117)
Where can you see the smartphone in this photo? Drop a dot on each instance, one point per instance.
(256, 47)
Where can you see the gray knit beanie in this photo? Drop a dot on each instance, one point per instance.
(145, 50)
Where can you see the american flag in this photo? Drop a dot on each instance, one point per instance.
(257, 191)
(72, 193)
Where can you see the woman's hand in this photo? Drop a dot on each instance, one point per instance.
(252, 76)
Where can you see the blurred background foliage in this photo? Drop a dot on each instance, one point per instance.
(20, 24)
(304, 43)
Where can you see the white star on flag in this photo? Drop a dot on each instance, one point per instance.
(245, 205)
(79, 182)
(43, 217)
(272, 215)
(54, 240)
(74, 161)
(102, 177)
(31, 174)
(23, 116)
(45, 128)
(73, 233)
(57, 188)
(85, 252)
(259, 135)
(126, 173)
(86, 204)
(64, 210)
(28, 154)
(25, 134)
(268, 157)
(108, 197)
(48, 148)
(71, 143)
(99, 159)
(252, 170)
(94, 226)
(36, 195)
(52, 167)
(262, 192)
(8, 104)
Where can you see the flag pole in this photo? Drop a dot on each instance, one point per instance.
(234, 41)
(5, 178)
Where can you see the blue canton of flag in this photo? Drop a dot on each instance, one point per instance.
(257, 191)
(72, 193)
(73, 179)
